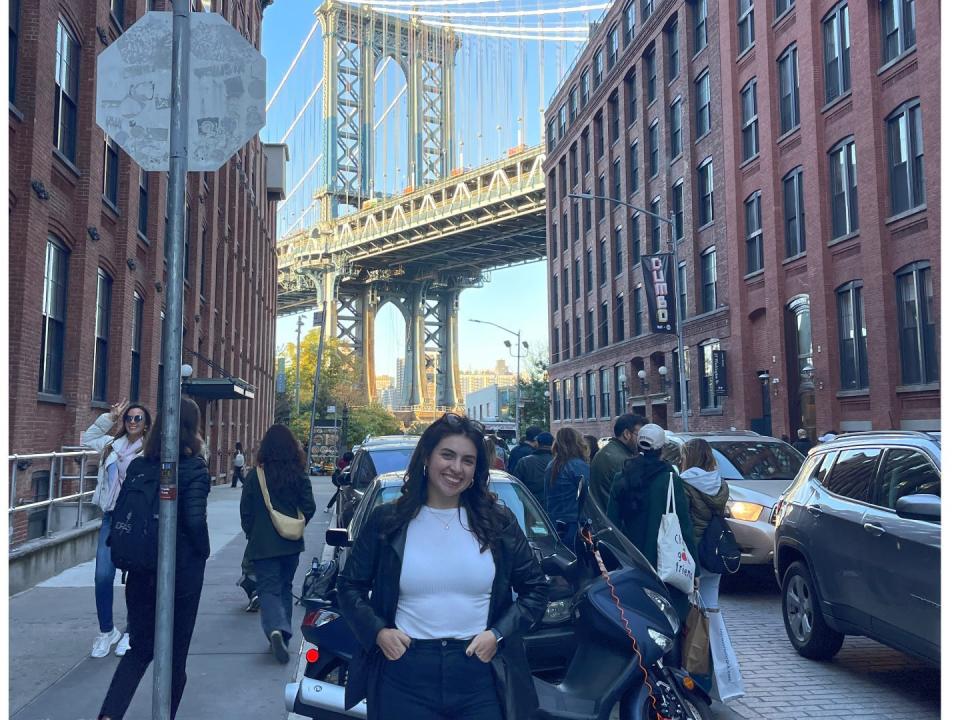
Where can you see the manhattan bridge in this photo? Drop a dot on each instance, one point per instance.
(355, 236)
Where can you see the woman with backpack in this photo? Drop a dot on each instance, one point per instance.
(562, 479)
(276, 493)
(238, 463)
(118, 446)
(707, 495)
(193, 549)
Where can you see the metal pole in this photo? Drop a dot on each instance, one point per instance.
(297, 401)
(681, 355)
(173, 355)
(517, 418)
(316, 384)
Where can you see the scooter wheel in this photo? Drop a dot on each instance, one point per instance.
(699, 709)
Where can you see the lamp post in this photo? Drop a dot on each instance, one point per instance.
(675, 266)
(520, 347)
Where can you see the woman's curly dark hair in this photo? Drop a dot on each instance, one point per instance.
(484, 512)
(282, 458)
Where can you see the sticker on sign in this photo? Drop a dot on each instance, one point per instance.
(226, 97)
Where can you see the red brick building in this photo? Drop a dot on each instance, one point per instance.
(827, 211)
(86, 248)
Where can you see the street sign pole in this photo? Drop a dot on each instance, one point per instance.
(173, 353)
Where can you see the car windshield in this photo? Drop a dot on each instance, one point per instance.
(388, 460)
(757, 460)
(529, 515)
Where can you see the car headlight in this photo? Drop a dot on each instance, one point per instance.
(558, 611)
(665, 607)
(749, 512)
(663, 642)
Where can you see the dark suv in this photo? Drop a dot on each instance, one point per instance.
(858, 545)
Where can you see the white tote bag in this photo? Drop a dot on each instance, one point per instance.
(675, 565)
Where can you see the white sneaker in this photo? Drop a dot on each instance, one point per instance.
(123, 645)
(103, 643)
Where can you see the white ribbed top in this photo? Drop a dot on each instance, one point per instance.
(445, 582)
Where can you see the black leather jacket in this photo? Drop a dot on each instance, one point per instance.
(369, 589)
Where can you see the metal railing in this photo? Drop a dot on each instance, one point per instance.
(55, 463)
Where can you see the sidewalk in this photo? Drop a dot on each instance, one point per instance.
(231, 672)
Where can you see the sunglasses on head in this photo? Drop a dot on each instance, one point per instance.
(463, 423)
(133, 418)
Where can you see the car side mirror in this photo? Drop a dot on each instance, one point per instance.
(919, 507)
(338, 537)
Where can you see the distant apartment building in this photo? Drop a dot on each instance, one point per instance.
(788, 139)
(492, 403)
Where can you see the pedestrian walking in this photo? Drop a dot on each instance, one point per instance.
(593, 444)
(238, 463)
(610, 458)
(278, 485)
(193, 549)
(563, 474)
(802, 443)
(118, 446)
(523, 449)
(428, 590)
(638, 500)
(493, 459)
(707, 494)
(531, 470)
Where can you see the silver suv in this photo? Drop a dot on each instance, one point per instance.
(858, 545)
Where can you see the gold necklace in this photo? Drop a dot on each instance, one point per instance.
(445, 523)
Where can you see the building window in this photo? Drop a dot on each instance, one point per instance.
(574, 169)
(634, 167)
(584, 88)
(682, 289)
(635, 251)
(578, 337)
(597, 69)
(918, 331)
(705, 187)
(655, 244)
(575, 221)
(598, 135)
(629, 22)
(554, 231)
(591, 395)
(750, 127)
(905, 150)
(572, 105)
(637, 311)
(616, 179)
(144, 207)
(589, 270)
(604, 325)
(562, 173)
(564, 234)
(898, 18)
(557, 407)
(789, 90)
(853, 337)
(565, 288)
(677, 407)
(101, 352)
(646, 9)
(566, 341)
(135, 348)
(578, 397)
(630, 81)
(843, 188)
(745, 24)
(67, 92)
(613, 112)
(678, 209)
(556, 345)
(585, 152)
(576, 279)
(708, 279)
(587, 214)
(794, 230)
(676, 136)
(590, 336)
(613, 46)
(603, 263)
(116, 11)
(555, 292)
(552, 188)
(700, 26)
(620, 402)
(703, 104)
(783, 6)
(709, 400)
(53, 318)
(619, 321)
(673, 51)
(111, 170)
(836, 51)
(551, 134)
(601, 199)
(618, 249)
(754, 225)
(650, 72)
(654, 146)
(605, 379)
(14, 42)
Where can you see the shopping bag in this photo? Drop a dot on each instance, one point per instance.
(675, 565)
(726, 669)
(696, 640)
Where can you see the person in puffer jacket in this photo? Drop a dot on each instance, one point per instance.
(707, 495)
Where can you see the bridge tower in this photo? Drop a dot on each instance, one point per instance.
(355, 41)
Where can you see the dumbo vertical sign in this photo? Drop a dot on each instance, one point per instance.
(660, 289)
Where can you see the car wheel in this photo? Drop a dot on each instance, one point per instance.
(808, 631)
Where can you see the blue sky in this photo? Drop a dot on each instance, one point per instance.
(500, 84)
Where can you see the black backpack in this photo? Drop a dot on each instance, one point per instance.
(135, 527)
(718, 550)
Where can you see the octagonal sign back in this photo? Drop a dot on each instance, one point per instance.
(226, 93)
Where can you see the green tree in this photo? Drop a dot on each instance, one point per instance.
(370, 420)
(535, 393)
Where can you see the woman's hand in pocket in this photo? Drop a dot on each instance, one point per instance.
(393, 643)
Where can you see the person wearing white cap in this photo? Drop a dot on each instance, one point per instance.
(638, 500)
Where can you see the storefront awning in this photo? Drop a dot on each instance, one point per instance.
(218, 389)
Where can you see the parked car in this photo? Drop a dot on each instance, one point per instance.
(758, 469)
(549, 645)
(858, 545)
(370, 459)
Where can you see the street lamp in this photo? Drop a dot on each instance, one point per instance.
(672, 223)
(520, 347)
(662, 371)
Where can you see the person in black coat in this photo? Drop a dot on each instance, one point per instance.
(532, 470)
(523, 449)
(193, 549)
(275, 558)
(428, 591)
(802, 443)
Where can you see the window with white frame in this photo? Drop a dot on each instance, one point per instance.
(898, 20)
(705, 188)
(101, 352)
(754, 232)
(703, 104)
(793, 215)
(852, 329)
(789, 90)
(750, 125)
(836, 51)
(843, 188)
(905, 157)
(67, 91)
(708, 280)
(916, 313)
(745, 32)
(53, 317)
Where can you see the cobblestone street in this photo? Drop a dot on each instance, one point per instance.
(866, 680)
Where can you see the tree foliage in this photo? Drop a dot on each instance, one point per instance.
(370, 420)
(535, 393)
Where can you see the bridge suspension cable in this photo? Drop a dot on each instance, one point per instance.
(293, 64)
(380, 7)
(306, 106)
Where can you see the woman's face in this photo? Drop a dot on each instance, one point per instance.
(450, 470)
(135, 422)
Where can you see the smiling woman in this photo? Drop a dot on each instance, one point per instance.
(443, 562)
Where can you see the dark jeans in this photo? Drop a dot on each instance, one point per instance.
(237, 476)
(104, 575)
(141, 611)
(436, 680)
(275, 588)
